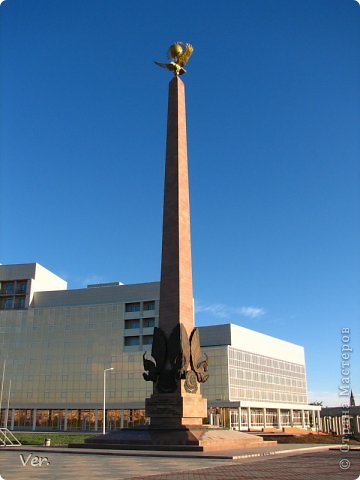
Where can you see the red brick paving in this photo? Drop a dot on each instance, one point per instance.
(311, 466)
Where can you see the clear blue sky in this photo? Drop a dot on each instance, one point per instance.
(273, 103)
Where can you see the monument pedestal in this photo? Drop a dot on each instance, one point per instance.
(181, 438)
(173, 409)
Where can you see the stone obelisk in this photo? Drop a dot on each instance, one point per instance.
(176, 365)
(176, 294)
(176, 399)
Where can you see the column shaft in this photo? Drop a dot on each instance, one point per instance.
(264, 414)
(65, 419)
(279, 418)
(176, 295)
(34, 420)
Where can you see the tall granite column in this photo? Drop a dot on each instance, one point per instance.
(176, 295)
(178, 407)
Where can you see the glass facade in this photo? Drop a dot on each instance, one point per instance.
(217, 387)
(257, 377)
(72, 419)
(55, 357)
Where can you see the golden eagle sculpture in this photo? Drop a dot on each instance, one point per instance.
(179, 55)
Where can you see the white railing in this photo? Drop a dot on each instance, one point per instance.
(8, 439)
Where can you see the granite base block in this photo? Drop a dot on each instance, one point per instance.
(187, 438)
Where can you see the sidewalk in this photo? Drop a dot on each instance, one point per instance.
(298, 464)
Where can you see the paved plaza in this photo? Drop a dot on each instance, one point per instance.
(317, 465)
(310, 466)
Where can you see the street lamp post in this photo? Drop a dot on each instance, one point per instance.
(8, 406)
(104, 406)
(2, 388)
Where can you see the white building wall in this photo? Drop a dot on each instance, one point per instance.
(255, 342)
(261, 368)
(44, 280)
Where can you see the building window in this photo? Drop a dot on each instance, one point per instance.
(132, 324)
(19, 302)
(147, 339)
(131, 341)
(149, 305)
(132, 307)
(21, 286)
(13, 288)
(148, 322)
(8, 288)
(7, 303)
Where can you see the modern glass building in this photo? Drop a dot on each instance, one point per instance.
(256, 377)
(56, 343)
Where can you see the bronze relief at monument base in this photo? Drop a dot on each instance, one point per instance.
(176, 358)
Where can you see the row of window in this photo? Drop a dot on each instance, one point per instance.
(257, 418)
(83, 419)
(136, 306)
(252, 394)
(13, 294)
(250, 360)
(135, 340)
(10, 303)
(238, 376)
(269, 386)
(13, 288)
(136, 323)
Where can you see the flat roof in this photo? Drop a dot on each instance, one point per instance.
(251, 341)
(96, 296)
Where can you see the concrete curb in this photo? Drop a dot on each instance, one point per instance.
(220, 455)
(278, 452)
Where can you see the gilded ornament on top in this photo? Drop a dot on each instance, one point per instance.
(179, 54)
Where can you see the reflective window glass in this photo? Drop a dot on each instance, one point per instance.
(149, 305)
(130, 341)
(132, 307)
(148, 322)
(147, 339)
(8, 288)
(21, 286)
(135, 323)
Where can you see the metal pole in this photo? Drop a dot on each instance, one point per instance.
(103, 425)
(8, 404)
(2, 388)
(104, 402)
